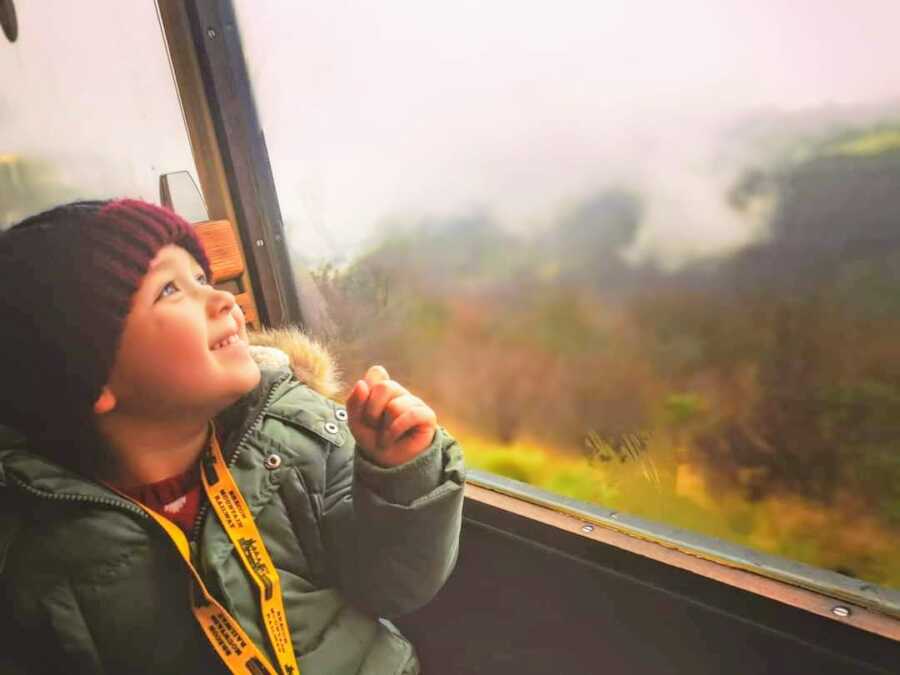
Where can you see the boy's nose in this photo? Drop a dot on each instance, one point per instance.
(220, 302)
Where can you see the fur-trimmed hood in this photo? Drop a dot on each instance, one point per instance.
(309, 359)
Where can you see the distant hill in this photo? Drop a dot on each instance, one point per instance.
(838, 205)
(829, 180)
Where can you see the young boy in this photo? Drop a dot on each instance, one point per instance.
(169, 506)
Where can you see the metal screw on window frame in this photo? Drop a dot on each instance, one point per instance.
(211, 33)
(841, 611)
(273, 461)
(587, 528)
(331, 427)
(260, 243)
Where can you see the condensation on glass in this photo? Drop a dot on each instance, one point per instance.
(83, 117)
(646, 257)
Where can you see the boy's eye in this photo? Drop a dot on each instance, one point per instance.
(167, 290)
(172, 287)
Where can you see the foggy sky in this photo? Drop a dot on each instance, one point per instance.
(400, 109)
(382, 109)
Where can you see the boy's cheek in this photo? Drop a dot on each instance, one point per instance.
(177, 367)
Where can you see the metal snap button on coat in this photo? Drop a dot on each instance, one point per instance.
(273, 461)
(331, 427)
(341, 414)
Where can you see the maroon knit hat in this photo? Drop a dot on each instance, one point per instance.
(69, 275)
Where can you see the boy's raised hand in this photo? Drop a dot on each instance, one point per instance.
(391, 426)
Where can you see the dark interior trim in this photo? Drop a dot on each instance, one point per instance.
(870, 607)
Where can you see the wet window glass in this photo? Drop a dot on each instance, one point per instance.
(642, 254)
(88, 107)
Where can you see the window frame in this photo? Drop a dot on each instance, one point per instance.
(229, 148)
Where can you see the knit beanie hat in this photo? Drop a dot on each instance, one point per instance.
(68, 277)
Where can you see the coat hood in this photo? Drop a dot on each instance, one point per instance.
(310, 360)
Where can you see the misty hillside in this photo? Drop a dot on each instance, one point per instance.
(838, 205)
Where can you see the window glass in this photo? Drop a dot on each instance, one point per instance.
(643, 254)
(88, 106)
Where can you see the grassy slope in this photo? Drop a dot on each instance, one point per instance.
(838, 537)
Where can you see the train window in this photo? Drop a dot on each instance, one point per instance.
(100, 122)
(642, 256)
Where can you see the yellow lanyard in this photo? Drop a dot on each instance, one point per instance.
(224, 633)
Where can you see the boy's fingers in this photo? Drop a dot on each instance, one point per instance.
(382, 393)
(417, 423)
(397, 406)
(357, 399)
(376, 374)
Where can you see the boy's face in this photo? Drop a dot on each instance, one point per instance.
(172, 361)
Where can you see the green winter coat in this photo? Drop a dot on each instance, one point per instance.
(92, 585)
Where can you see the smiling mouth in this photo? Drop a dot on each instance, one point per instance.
(227, 342)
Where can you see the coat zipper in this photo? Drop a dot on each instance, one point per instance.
(204, 507)
(117, 503)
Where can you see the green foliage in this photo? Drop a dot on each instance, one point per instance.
(627, 446)
(865, 144)
(875, 470)
(430, 318)
(511, 467)
(742, 520)
(513, 462)
(870, 289)
(582, 485)
(563, 476)
(864, 417)
(560, 324)
(683, 409)
(800, 548)
(863, 411)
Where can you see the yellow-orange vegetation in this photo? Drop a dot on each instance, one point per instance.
(671, 490)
